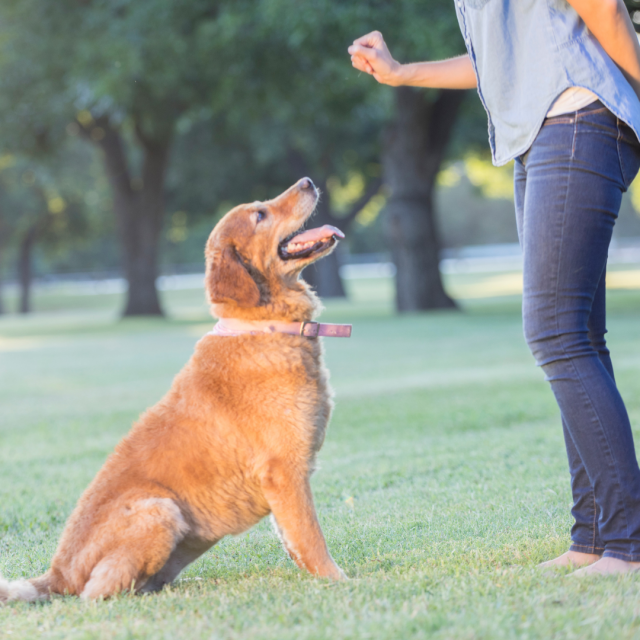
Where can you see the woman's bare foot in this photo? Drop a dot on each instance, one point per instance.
(607, 567)
(571, 560)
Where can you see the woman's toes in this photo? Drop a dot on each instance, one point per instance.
(607, 566)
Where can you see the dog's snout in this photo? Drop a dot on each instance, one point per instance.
(306, 184)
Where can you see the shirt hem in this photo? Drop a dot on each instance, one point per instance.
(499, 162)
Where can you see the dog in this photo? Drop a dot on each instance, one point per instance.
(236, 436)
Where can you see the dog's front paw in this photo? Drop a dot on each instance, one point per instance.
(342, 576)
(336, 573)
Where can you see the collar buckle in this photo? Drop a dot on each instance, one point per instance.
(303, 327)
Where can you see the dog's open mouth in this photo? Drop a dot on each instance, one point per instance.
(307, 243)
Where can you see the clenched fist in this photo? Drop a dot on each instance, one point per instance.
(371, 55)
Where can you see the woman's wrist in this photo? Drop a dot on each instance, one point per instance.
(404, 74)
(412, 74)
(396, 75)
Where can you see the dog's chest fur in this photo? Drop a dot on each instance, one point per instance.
(239, 403)
(273, 385)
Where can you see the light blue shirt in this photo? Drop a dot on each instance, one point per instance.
(525, 54)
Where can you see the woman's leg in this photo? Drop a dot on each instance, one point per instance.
(586, 547)
(573, 190)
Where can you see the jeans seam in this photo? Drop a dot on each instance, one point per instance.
(560, 335)
(622, 553)
(573, 155)
(613, 466)
(586, 546)
(595, 511)
(564, 216)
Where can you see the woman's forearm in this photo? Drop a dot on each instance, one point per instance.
(455, 73)
(371, 55)
(609, 22)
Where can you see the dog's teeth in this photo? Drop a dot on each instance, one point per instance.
(297, 247)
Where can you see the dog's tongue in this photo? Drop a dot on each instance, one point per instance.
(314, 235)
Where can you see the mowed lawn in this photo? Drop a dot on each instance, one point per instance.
(442, 482)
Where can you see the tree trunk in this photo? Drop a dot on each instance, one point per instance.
(25, 274)
(324, 275)
(1, 286)
(139, 210)
(413, 151)
(141, 236)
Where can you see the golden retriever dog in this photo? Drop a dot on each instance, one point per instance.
(235, 437)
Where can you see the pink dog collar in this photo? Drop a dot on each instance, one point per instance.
(233, 327)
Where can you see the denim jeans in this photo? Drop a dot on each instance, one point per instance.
(568, 189)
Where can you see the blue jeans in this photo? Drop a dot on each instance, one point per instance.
(568, 189)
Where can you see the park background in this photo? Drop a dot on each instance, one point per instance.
(126, 130)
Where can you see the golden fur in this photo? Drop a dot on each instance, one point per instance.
(233, 440)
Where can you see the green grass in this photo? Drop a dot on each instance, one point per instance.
(442, 483)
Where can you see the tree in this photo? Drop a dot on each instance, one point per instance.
(415, 144)
(125, 73)
(302, 114)
(417, 124)
(414, 147)
(40, 205)
(23, 213)
(263, 75)
(307, 111)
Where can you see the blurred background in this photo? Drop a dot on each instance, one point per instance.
(128, 128)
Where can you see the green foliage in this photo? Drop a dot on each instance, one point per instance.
(253, 93)
(634, 191)
(634, 11)
(148, 62)
(491, 182)
(62, 198)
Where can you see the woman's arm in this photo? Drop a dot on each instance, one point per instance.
(609, 22)
(371, 55)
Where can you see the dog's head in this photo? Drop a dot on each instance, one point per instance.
(255, 255)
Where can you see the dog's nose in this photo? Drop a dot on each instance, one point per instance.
(306, 184)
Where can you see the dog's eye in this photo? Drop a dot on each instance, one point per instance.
(260, 216)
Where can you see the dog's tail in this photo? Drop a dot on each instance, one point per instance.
(25, 590)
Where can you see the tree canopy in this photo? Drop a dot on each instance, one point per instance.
(200, 103)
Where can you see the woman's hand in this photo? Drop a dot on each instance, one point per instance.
(609, 22)
(371, 55)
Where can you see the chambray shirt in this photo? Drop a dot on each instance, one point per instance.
(525, 54)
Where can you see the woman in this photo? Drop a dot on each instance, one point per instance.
(560, 81)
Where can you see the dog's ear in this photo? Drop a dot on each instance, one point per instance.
(227, 279)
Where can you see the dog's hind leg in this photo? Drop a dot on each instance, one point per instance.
(289, 496)
(138, 548)
(185, 553)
